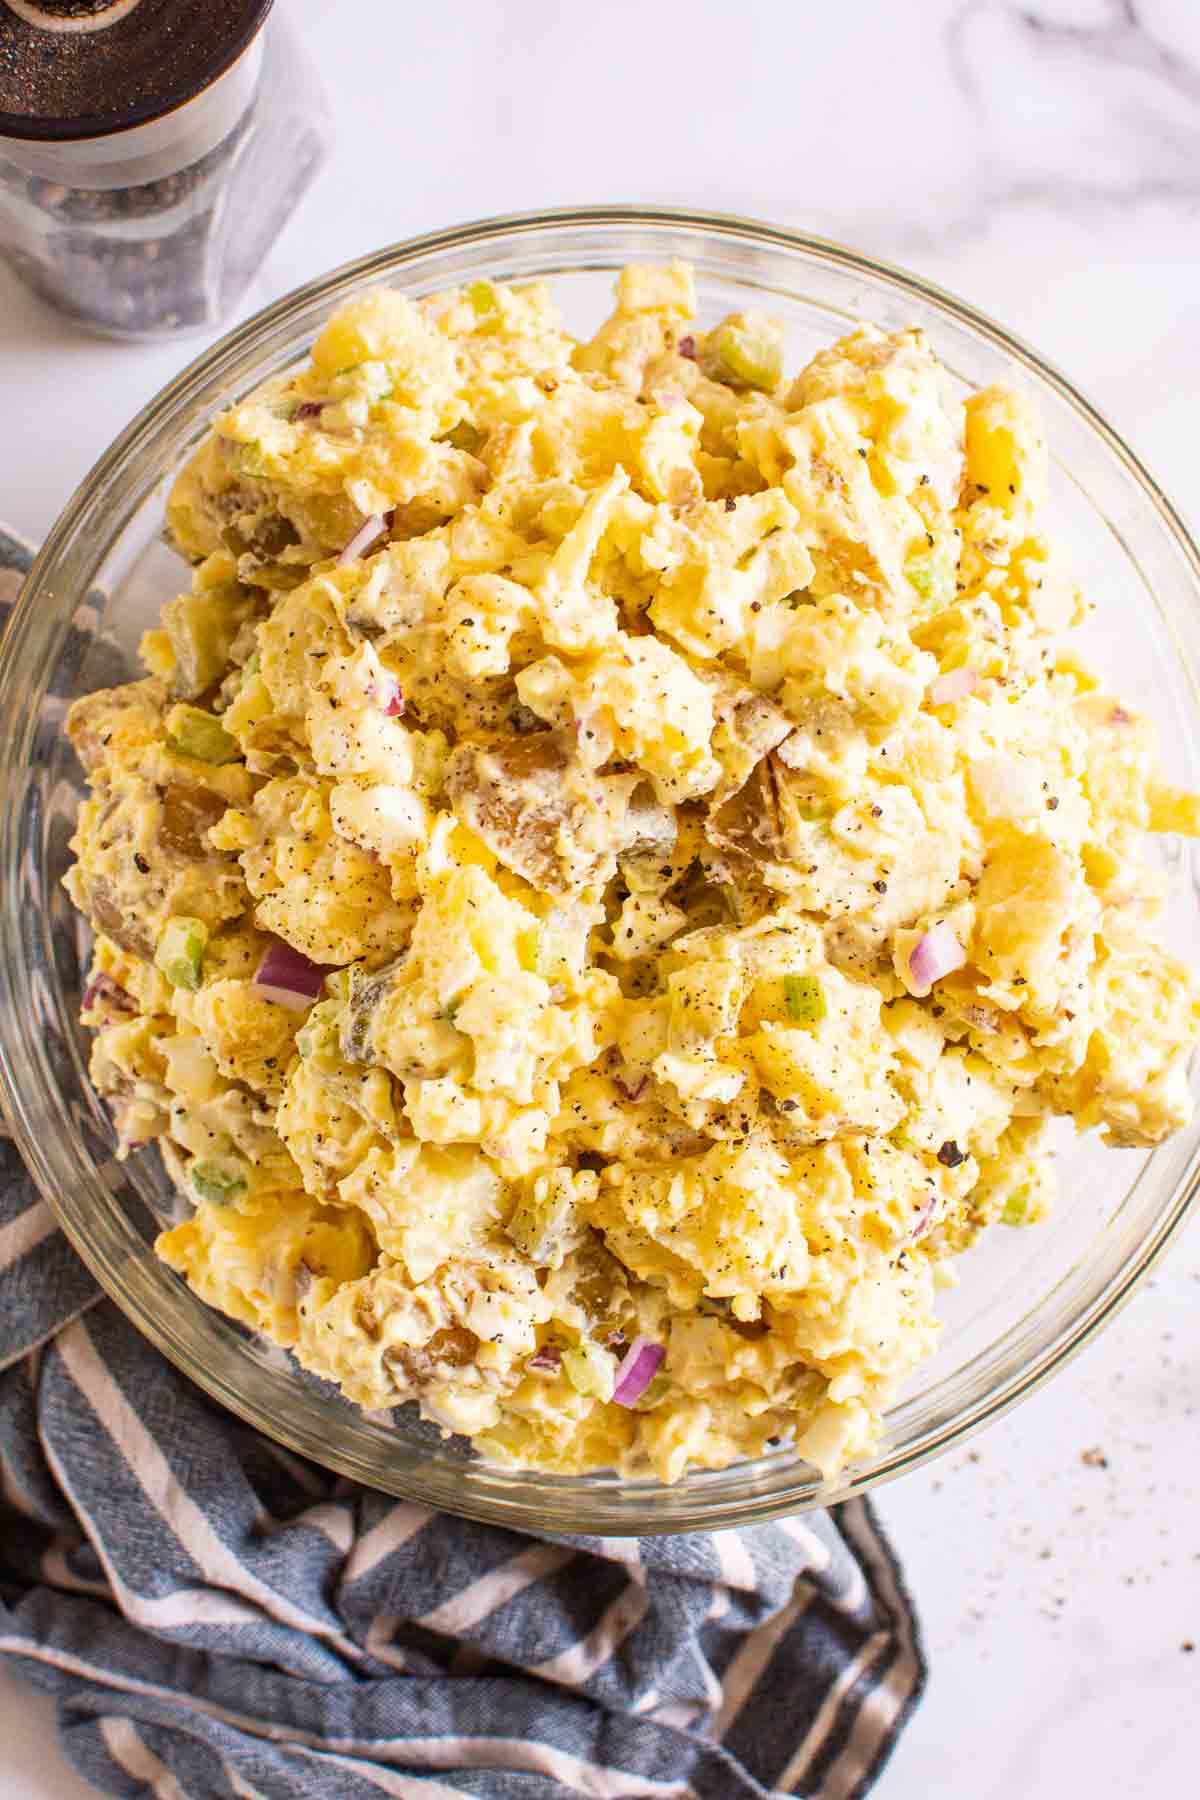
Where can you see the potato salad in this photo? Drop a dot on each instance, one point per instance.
(612, 868)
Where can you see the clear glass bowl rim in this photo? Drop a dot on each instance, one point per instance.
(589, 1504)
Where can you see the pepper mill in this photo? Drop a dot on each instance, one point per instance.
(151, 151)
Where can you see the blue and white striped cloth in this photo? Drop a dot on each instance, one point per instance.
(220, 1620)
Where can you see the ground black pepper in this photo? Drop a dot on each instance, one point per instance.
(132, 259)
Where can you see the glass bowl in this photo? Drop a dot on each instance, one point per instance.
(1026, 1301)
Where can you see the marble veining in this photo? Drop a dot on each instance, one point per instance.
(1082, 104)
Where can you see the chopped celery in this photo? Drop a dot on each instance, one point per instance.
(804, 998)
(193, 732)
(1018, 1209)
(746, 350)
(483, 298)
(219, 1179)
(180, 953)
(361, 997)
(920, 574)
(656, 1392)
(319, 1035)
(464, 436)
(341, 981)
(590, 1370)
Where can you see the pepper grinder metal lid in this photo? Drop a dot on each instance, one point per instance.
(77, 69)
(150, 152)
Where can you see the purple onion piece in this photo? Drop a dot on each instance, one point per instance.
(935, 954)
(288, 977)
(370, 529)
(956, 684)
(637, 1370)
(103, 987)
(385, 694)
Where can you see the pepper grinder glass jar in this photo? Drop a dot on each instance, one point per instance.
(151, 151)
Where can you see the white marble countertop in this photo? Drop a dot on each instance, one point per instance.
(1043, 160)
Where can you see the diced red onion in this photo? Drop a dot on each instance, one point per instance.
(924, 1218)
(935, 954)
(384, 692)
(636, 1371)
(288, 978)
(549, 1358)
(364, 537)
(1118, 716)
(309, 409)
(956, 684)
(103, 987)
(687, 347)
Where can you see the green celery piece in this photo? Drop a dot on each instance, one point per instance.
(483, 298)
(219, 1180)
(749, 352)
(805, 999)
(590, 1370)
(319, 1036)
(180, 952)
(193, 732)
(920, 574)
(654, 1395)
(464, 436)
(1016, 1207)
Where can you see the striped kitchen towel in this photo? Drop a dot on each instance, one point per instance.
(220, 1620)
